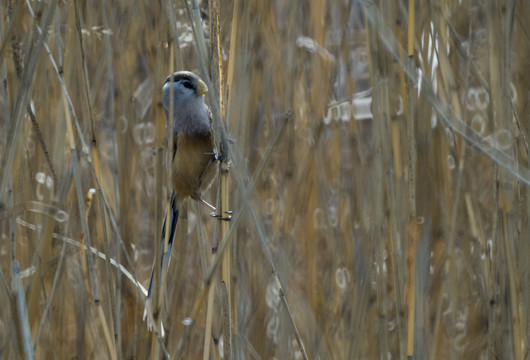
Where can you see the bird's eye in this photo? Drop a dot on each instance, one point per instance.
(187, 84)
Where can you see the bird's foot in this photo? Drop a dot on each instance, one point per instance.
(204, 202)
(220, 157)
(228, 216)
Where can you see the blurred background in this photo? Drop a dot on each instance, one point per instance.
(377, 172)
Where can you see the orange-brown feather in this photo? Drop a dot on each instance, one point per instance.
(193, 165)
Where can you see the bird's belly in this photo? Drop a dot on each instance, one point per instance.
(191, 165)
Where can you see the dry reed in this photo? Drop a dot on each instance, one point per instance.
(376, 169)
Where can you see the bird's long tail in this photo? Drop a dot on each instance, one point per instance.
(165, 251)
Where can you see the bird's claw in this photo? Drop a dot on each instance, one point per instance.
(220, 157)
(222, 218)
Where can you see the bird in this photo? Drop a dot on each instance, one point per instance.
(193, 154)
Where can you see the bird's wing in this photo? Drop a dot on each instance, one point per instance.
(214, 139)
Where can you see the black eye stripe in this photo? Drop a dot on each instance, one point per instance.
(187, 84)
(184, 78)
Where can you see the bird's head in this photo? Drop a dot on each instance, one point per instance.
(183, 91)
(185, 88)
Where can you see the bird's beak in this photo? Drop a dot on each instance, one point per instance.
(201, 89)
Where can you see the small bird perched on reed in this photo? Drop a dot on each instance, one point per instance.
(192, 155)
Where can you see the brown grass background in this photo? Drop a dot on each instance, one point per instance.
(378, 178)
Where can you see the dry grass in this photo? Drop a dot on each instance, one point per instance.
(359, 231)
